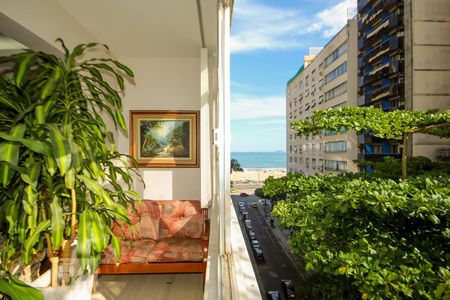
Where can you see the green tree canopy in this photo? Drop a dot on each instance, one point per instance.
(396, 125)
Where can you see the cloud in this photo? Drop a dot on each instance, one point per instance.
(247, 107)
(262, 27)
(331, 20)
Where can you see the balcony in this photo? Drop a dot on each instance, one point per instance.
(166, 50)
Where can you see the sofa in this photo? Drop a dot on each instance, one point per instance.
(167, 236)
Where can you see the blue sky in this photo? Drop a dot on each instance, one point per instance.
(268, 41)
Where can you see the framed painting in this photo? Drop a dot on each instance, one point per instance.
(165, 138)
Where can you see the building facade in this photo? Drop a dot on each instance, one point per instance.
(326, 80)
(403, 63)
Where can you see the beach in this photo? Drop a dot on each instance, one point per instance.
(255, 176)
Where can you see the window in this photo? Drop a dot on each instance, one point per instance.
(336, 54)
(290, 159)
(340, 146)
(313, 163)
(336, 165)
(337, 91)
(321, 147)
(332, 132)
(336, 72)
(307, 163)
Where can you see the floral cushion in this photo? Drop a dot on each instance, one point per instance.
(177, 250)
(144, 222)
(130, 252)
(180, 219)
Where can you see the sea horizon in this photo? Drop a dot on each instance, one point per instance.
(260, 160)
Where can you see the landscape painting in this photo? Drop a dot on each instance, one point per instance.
(165, 138)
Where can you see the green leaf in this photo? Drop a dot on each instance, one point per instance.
(17, 290)
(99, 238)
(115, 245)
(32, 240)
(9, 152)
(22, 67)
(51, 83)
(29, 199)
(58, 224)
(84, 239)
(50, 164)
(69, 178)
(34, 145)
(61, 149)
(11, 104)
(120, 119)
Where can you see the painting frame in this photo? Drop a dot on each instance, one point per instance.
(160, 126)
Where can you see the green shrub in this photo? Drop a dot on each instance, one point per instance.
(259, 192)
(390, 239)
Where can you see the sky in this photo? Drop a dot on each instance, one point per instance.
(268, 41)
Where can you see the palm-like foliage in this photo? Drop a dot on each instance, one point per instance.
(60, 177)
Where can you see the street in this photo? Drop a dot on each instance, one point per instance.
(278, 264)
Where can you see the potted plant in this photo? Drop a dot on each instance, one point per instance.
(60, 177)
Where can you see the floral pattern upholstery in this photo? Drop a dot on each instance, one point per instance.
(177, 249)
(144, 222)
(160, 231)
(130, 252)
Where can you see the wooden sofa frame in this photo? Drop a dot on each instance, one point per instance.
(164, 267)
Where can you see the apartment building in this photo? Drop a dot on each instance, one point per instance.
(326, 80)
(403, 63)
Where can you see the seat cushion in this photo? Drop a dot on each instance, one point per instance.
(130, 252)
(145, 220)
(177, 250)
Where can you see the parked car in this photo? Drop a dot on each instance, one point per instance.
(243, 194)
(248, 224)
(273, 295)
(241, 209)
(244, 215)
(251, 234)
(259, 255)
(287, 286)
(241, 203)
(255, 243)
(254, 204)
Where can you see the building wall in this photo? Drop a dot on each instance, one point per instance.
(160, 84)
(306, 93)
(164, 84)
(430, 54)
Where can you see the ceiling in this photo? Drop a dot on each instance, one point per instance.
(147, 28)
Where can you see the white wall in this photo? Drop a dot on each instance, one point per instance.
(163, 84)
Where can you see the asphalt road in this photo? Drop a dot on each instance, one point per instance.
(277, 263)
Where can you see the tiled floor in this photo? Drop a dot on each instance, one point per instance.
(149, 287)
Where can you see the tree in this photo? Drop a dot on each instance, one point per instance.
(397, 125)
(235, 166)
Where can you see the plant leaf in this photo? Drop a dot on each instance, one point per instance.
(17, 290)
(58, 224)
(84, 239)
(61, 149)
(32, 240)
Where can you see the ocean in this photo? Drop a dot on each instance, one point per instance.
(261, 160)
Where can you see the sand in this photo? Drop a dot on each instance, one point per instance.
(255, 176)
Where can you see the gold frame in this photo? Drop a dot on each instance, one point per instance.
(191, 161)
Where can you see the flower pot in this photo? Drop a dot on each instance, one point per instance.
(81, 288)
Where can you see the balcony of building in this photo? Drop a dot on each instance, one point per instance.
(180, 58)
